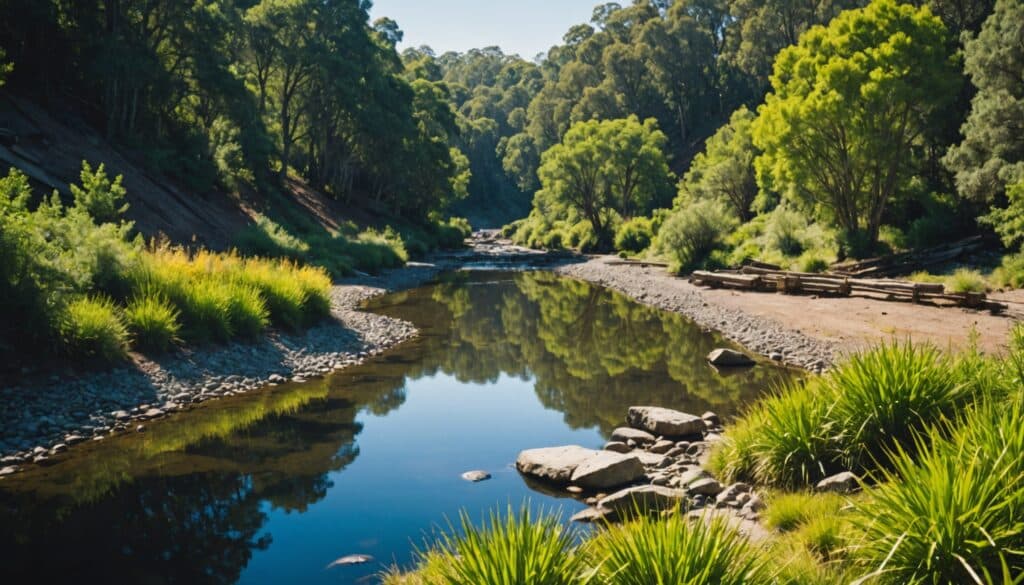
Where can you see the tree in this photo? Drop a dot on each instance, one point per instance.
(849, 105)
(991, 155)
(601, 167)
(725, 170)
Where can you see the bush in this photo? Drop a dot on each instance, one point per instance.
(516, 548)
(692, 233)
(1010, 273)
(784, 230)
(634, 235)
(552, 240)
(267, 238)
(98, 196)
(582, 237)
(649, 551)
(153, 322)
(811, 261)
(90, 328)
(954, 511)
(964, 280)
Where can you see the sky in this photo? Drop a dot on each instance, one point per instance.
(526, 27)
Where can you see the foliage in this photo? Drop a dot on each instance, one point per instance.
(634, 235)
(92, 329)
(849, 103)
(690, 234)
(787, 512)
(726, 167)
(98, 196)
(508, 549)
(964, 280)
(607, 167)
(1011, 272)
(153, 322)
(991, 156)
(1008, 222)
(677, 549)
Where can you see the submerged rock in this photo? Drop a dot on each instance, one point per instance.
(350, 560)
(664, 421)
(729, 358)
(476, 476)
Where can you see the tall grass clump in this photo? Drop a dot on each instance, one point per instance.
(153, 322)
(954, 511)
(513, 548)
(964, 280)
(885, 395)
(674, 550)
(90, 328)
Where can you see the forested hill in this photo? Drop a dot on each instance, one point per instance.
(226, 105)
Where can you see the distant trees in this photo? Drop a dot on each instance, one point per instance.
(991, 156)
(849, 103)
(607, 167)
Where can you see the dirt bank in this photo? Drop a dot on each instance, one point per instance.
(804, 331)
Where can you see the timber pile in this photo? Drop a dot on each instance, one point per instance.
(768, 280)
(907, 262)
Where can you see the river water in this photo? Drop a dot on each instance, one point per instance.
(272, 487)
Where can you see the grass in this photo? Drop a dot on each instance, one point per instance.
(92, 329)
(964, 280)
(153, 322)
(787, 512)
(674, 550)
(513, 548)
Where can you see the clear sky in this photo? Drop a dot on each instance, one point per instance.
(526, 27)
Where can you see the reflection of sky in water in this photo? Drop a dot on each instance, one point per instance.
(272, 487)
(406, 478)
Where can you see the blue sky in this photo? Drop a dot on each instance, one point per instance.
(526, 27)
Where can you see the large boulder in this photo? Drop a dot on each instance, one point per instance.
(643, 499)
(664, 421)
(606, 469)
(624, 434)
(555, 464)
(729, 358)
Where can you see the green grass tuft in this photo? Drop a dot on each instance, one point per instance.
(91, 329)
(153, 322)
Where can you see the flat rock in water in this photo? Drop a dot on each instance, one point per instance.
(592, 515)
(645, 498)
(623, 434)
(555, 464)
(606, 469)
(729, 358)
(350, 560)
(476, 476)
(665, 421)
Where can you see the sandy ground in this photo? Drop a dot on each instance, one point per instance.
(835, 326)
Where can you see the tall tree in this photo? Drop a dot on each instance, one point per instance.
(849, 103)
(725, 170)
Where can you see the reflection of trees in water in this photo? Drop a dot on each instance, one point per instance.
(594, 353)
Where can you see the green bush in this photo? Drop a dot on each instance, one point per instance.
(811, 261)
(269, 239)
(247, 311)
(552, 240)
(784, 230)
(91, 329)
(1010, 273)
(153, 322)
(692, 233)
(582, 237)
(98, 196)
(795, 445)
(964, 280)
(677, 549)
(510, 549)
(634, 235)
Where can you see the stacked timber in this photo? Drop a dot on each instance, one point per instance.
(907, 262)
(754, 278)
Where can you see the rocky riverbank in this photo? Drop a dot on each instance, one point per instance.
(653, 286)
(44, 416)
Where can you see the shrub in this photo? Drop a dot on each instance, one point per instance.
(787, 512)
(677, 549)
(692, 233)
(153, 322)
(98, 196)
(811, 261)
(582, 237)
(510, 549)
(267, 238)
(885, 395)
(784, 230)
(954, 511)
(964, 280)
(1010, 273)
(246, 310)
(90, 328)
(634, 235)
(552, 240)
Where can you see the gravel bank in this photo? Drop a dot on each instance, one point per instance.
(46, 416)
(653, 286)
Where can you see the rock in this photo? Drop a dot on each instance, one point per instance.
(729, 494)
(843, 483)
(59, 448)
(664, 421)
(645, 498)
(693, 475)
(729, 358)
(775, 356)
(606, 469)
(555, 464)
(476, 476)
(754, 504)
(140, 429)
(350, 560)
(712, 418)
(121, 415)
(650, 459)
(73, 439)
(592, 515)
(153, 413)
(574, 489)
(662, 447)
(7, 470)
(707, 486)
(617, 447)
(624, 434)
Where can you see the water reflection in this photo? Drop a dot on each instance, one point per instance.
(198, 498)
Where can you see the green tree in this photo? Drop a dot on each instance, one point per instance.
(606, 167)
(98, 196)
(725, 170)
(848, 106)
(991, 155)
